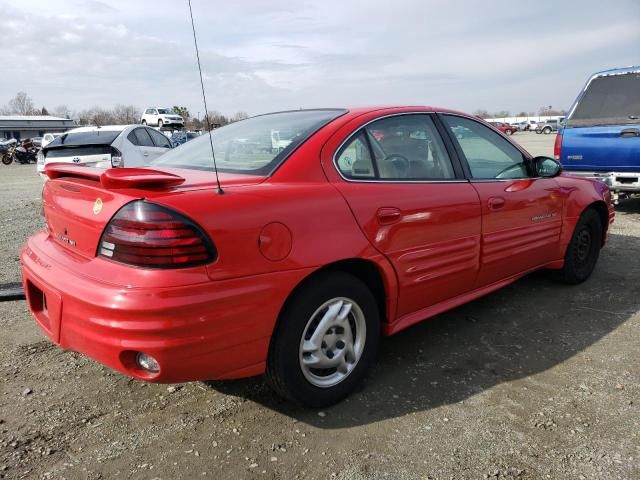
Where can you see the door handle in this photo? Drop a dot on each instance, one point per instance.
(630, 132)
(146, 154)
(388, 215)
(495, 203)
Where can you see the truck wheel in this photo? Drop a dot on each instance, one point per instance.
(325, 341)
(583, 250)
(546, 131)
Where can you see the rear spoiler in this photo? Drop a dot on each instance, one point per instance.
(115, 177)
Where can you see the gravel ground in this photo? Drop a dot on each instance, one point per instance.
(535, 381)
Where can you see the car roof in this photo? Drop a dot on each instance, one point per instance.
(105, 128)
(618, 71)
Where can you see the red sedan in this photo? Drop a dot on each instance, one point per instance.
(350, 225)
(504, 127)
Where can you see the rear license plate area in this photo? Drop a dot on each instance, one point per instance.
(627, 180)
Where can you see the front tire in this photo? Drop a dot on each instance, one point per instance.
(144, 122)
(583, 250)
(160, 124)
(7, 159)
(325, 341)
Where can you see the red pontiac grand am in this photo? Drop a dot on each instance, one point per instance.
(335, 227)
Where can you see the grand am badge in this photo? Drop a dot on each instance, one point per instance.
(97, 206)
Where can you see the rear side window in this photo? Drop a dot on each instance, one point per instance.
(399, 148)
(142, 138)
(608, 100)
(354, 160)
(159, 139)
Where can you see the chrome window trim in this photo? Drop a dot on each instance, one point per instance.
(364, 125)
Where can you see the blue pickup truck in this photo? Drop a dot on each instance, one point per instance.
(601, 135)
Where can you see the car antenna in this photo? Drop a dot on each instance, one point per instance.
(204, 99)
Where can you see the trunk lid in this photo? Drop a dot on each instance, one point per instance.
(79, 201)
(93, 155)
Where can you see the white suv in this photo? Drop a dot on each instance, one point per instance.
(162, 117)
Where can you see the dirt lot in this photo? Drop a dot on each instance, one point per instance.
(535, 381)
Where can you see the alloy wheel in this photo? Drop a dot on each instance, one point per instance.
(332, 342)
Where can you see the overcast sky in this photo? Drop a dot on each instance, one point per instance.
(265, 55)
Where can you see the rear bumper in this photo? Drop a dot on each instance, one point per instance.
(202, 331)
(616, 181)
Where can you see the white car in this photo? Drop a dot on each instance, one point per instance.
(162, 118)
(106, 147)
(47, 138)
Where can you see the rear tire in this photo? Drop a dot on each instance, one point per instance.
(583, 250)
(333, 319)
(546, 131)
(509, 132)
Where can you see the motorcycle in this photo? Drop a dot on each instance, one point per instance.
(26, 153)
(5, 146)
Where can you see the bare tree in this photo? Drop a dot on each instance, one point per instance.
(126, 114)
(182, 111)
(216, 119)
(61, 111)
(21, 104)
(239, 116)
(96, 116)
(482, 113)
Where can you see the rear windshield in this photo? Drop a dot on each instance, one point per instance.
(253, 146)
(98, 137)
(609, 100)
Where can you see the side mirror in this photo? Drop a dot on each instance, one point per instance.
(547, 167)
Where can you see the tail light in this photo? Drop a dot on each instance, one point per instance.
(557, 147)
(149, 235)
(116, 158)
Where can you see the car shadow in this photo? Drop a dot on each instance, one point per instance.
(519, 331)
(629, 205)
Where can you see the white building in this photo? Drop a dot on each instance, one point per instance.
(27, 126)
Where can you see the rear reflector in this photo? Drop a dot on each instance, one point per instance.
(557, 147)
(149, 235)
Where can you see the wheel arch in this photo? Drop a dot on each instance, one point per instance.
(603, 213)
(373, 275)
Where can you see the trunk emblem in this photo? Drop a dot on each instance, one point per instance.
(97, 206)
(76, 160)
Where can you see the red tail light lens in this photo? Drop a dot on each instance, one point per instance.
(557, 147)
(149, 235)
